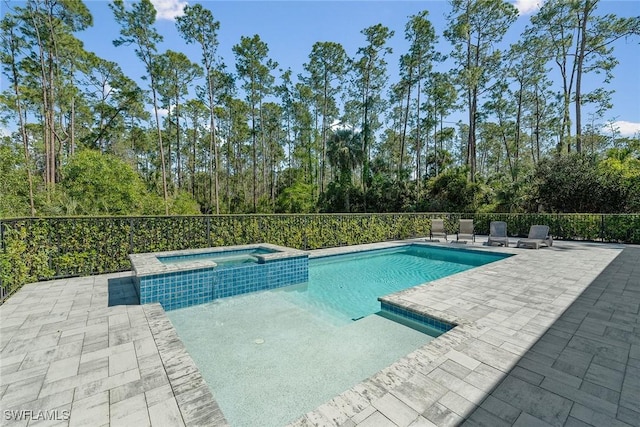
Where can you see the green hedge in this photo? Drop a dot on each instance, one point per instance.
(34, 249)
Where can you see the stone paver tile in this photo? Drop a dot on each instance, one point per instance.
(579, 396)
(345, 406)
(422, 422)
(605, 377)
(120, 413)
(63, 369)
(126, 391)
(528, 420)
(463, 359)
(628, 416)
(119, 321)
(599, 347)
(466, 390)
(93, 410)
(165, 413)
(573, 362)
(22, 391)
(574, 422)
(442, 416)
(419, 392)
(490, 355)
(455, 369)
(500, 409)
(364, 414)
(483, 418)
(600, 392)
(634, 352)
(485, 376)
(394, 409)
(145, 347)
(527, 375)
(548, 372)
(327, 410)
(106, 383)
(97, 364)
(122, 361)
(23, 374)
(88, 356)
(457, 404)
(534, 400)
(377, 420)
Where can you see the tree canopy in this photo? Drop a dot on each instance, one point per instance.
(343, 135)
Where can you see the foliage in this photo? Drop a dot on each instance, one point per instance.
(582, 183)
(34, 249)
(451, 191)
(102, 184)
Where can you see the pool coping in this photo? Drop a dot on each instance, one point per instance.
(148, 264)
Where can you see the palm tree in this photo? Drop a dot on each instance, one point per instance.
(344, 149)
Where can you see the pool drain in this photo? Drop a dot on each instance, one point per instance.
(259, 341)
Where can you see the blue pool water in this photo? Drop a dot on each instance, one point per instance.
(228, 257)
(349, 285)
(269, 357)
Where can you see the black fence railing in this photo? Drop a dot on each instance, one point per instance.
(34, 249)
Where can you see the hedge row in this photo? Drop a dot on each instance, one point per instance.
(34, 249)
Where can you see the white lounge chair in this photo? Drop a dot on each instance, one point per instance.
(466, 231)
(498, 233)
(538, 235)
(437, 229)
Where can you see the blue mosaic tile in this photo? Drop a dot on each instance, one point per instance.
(186, 288)
(423, 319)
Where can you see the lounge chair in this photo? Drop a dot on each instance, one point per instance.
(538, 235)
(498, 233)
(437, 229)
(466, 231)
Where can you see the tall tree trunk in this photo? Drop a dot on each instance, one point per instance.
(165, 192)
(418, 145)
(582, 36)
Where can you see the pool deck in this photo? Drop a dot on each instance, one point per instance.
(546, 337)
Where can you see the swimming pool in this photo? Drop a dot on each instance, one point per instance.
(271, 356)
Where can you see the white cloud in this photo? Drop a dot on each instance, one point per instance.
(527, 7)
(625, 128)
(169, 9)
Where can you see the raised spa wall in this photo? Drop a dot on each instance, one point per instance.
(199, 281)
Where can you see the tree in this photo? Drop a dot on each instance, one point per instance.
(50, 26)
(254, 68)
(11, 47)
(102, 184)
(345, 153)
(415, 66)
(475, 26)
(197, 25)
(137, 29)
(579, 42)
(175, 73)
(113, 98)
(327, 63)
(370, 79)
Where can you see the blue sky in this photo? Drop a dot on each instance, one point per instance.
(290, 28)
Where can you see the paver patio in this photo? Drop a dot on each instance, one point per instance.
(547, 337)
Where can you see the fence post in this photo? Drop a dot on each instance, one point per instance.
(208, 231)
(602, 230)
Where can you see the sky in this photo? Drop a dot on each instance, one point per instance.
(290, 28)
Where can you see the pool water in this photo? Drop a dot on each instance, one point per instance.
(269, 357)
(222, 258)
(349, 285)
